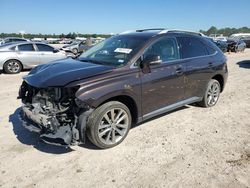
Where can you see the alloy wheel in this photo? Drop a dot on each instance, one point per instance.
(213, 94)
(113, 126)
(13, 66)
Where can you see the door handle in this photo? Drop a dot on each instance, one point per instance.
(179, 71)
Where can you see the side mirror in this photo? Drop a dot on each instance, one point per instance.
(55, 50)
(152, 59)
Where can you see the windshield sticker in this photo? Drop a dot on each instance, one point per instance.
(123, 50)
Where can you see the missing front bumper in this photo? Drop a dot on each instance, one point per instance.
(39, 123)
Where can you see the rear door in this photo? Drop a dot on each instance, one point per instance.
(27, 54)
(164, 85)
(47, 53)
(199, 65)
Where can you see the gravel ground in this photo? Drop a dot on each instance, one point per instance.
(190, 147)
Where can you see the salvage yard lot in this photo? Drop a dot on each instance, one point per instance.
(190, 147)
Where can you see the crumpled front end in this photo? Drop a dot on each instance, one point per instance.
(53, 113)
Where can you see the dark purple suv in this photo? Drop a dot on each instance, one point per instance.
(121, 81)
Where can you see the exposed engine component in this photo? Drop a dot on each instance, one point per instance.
(54, 112)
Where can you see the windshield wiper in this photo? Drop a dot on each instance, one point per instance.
(95, 61)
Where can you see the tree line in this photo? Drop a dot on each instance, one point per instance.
(212, 30)
(69, 35)
(225, 31)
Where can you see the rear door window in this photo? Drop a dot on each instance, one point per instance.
(26, 47)
(44, 48)
(191, 47)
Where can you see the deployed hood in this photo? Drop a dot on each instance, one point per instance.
(62, 72)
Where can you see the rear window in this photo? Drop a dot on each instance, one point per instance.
(191, 47)
(44, 48)
(26, 47)
(18, 40)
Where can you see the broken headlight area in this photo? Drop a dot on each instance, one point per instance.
(53, 113)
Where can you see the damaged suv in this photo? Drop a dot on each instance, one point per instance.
(124, 80)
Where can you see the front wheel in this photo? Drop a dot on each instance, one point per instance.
(109, 124)
(211, 95)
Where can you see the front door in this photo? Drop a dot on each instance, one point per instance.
(164, 84)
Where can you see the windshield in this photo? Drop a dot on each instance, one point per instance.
(117, 50)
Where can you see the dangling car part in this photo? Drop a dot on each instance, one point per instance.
(53, 114)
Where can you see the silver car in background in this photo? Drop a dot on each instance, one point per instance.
(12, 39)
(15, 57)
(76, 47)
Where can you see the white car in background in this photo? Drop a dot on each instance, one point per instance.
(15, 57)
(12, 39)
(224, 39)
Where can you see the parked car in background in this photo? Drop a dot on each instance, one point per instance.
(12, 39)
(76, 47)
(124, 80)
(224, 39)
(246, 40)
(221, 44)
(15, 57)
(235, 45)
(65, 41)
(243, 36)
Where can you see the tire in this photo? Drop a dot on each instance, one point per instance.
(211, 95)
(103, 128)
(75, 51)
(12, 66)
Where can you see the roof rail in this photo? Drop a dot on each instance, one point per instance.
(181, 31)
(162, 31)
(126, 32)
(152, 29)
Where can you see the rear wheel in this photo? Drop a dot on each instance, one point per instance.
(211, 95)
(12, 66)
(109, 124)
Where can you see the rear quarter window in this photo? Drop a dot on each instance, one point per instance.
(191, 47)
(13, 48)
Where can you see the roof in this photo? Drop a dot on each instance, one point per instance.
(9, 45)
(15, 38)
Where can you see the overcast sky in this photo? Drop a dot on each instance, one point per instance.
(114, 16)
